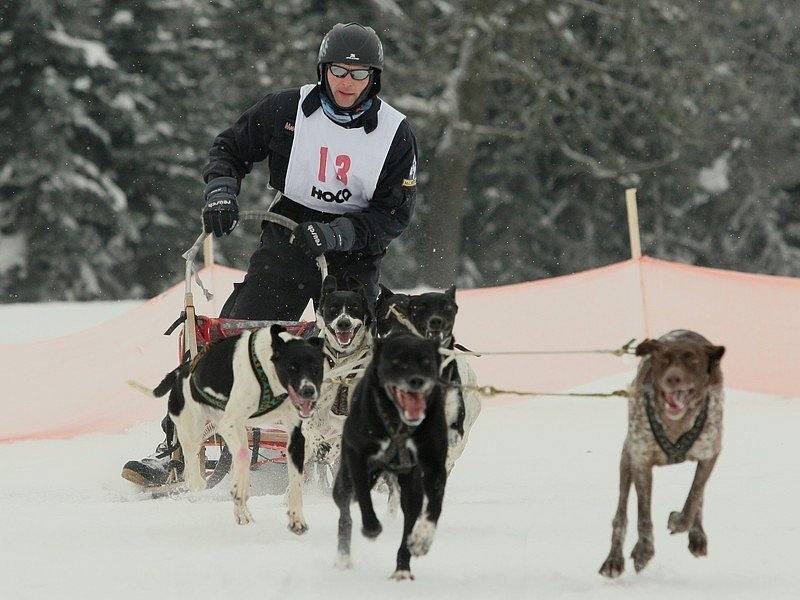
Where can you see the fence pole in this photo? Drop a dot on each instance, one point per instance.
(633, 223)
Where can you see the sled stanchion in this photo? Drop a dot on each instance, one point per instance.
(208, 252)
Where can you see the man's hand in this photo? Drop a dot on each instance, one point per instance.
(317, 238)
(221, 213)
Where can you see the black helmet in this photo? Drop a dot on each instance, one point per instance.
(351, 43)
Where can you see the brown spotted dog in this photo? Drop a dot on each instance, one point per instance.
(674, 415)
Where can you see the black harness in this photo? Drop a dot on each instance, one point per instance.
(676, 452)
(397, 457)
(267, 401)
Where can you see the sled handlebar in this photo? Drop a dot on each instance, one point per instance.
(246, 215)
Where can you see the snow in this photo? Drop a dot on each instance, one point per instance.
(527, 513)
(14, 252)
(714, 179)
(95, 53)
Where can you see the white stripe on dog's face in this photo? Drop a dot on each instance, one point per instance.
(344, 331)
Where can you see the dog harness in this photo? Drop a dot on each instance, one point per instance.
(349, 371)
(397, 456)
(267, 401)
(676, 452)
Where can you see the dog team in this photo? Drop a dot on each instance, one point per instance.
(384, 396)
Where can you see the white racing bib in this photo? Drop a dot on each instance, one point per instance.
(333, 169)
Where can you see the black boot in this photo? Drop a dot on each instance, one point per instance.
(165, 465)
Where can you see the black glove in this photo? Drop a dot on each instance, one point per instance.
(317, 238)
(221, 213)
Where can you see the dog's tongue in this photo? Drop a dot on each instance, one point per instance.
(412, 403)
(676, 400)
(304, 407)
(345, 337)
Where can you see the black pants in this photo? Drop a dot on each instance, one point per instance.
(281, 278)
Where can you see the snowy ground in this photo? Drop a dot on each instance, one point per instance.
(527, 515)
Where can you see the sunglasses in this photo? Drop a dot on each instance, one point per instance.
(357, 74)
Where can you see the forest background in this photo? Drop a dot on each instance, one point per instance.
(532, 117)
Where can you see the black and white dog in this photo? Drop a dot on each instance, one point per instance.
(432, 315)
(253, 379)
(396, 425)
(345, 321)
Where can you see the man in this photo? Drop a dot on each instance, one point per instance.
(345, 163)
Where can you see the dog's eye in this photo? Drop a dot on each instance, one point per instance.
(689, 357)
(292, 368)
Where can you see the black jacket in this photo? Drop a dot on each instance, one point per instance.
(266, 131)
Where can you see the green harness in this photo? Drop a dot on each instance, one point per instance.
(267, 401)
(676, 452)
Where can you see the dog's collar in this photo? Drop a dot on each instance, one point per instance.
(676, 452)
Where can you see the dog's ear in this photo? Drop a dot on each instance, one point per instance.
(377, 344)
(451, 293)
(385, 292)
(328, 284)
(355, 285)
(647, 346)
(317, 342)
(715, 353)
(277, 342)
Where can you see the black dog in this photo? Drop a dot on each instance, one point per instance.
(396, 425)
(387, 308)
(431, 315)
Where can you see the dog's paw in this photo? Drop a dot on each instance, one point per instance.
(242, 515)
(613, 567)
(371, 529)
(421, 537)
(343, 562)
(698, 543)
(677, 522)
(643, 551)
(297, 525)
(402, 576)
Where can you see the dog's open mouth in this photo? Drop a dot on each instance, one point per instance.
(345, 336)
(675, 401)
(305, 406)
(412, 405)
(435, 334)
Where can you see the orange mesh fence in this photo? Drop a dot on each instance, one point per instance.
(76, 384)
